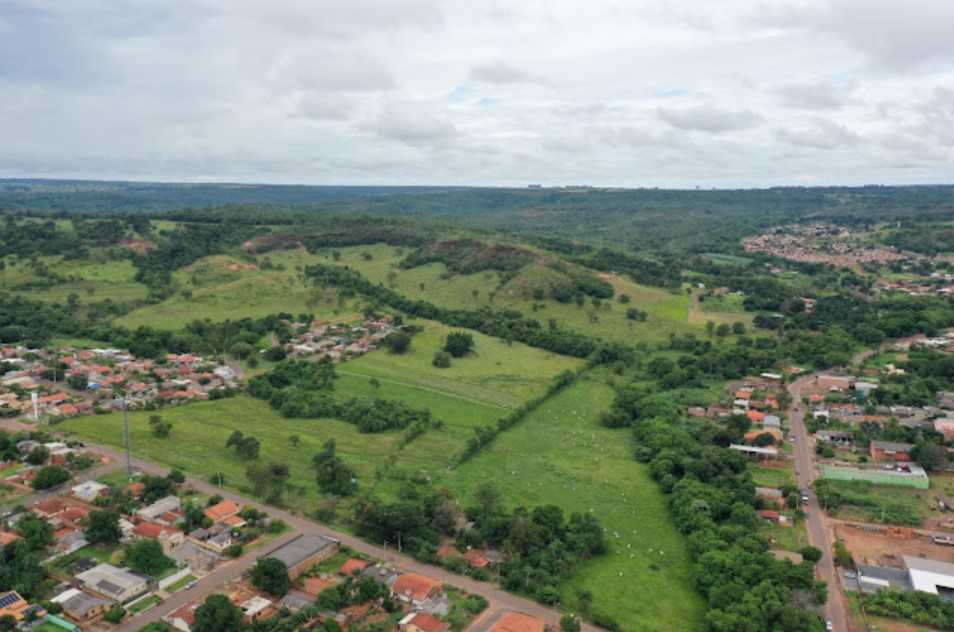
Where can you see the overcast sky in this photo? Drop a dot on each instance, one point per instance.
(681, 93)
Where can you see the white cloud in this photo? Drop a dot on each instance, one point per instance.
(643, 93)
(712, 119)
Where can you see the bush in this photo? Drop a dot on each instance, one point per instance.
(442, 360)
(115, 614)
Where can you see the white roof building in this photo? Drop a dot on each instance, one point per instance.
(931, 576)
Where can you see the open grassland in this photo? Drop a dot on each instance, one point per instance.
(668, 312)
(494, 373)
(200, 430)
(94, 279)
(561, 454)
(221, 287)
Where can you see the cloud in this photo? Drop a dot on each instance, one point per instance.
(891, 34)
(415, 124)
(350, 71)
(711, 119)
(819, 134)
(813, 96)
(499, 72)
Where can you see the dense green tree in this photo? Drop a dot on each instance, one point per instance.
(218, 614)
(398, 342)
(146, 556)
(271, 575)
(102, 527)
(333, 475)
(50, 476)
(268, 478)
(36, 533)
(458, 343)
(38, 455)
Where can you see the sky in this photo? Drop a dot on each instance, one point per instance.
(628, 93)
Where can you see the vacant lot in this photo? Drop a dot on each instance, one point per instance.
(562, 455)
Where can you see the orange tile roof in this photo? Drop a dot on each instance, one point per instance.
(235, 521)
(518, 622)
(428, 623)
(6, 537)
(135, 488)
(416, 587)
(151, 530)
(222, 510)
(755, 415)
(314, 585)
(476, 558)
(352, 565)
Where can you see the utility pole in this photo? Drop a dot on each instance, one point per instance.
(129, 470)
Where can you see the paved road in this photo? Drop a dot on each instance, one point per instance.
(499, 601)
(836, 609)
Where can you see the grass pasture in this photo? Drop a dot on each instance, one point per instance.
(94, 279)
(561, 454)
(200, 430)
(220, 293)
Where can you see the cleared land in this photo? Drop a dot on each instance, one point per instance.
(562, 455)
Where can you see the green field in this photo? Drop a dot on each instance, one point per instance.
(219, 293)
(94, 279)
(668, 311)
(561, 454)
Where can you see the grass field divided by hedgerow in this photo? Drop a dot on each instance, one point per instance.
(495, 372)
(200, 430)
(561, 454)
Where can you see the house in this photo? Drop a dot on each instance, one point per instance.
(415, 589)
(118, 584)
(931, 576)
(223, 510)
(353, 566)
(81, 606)
(12, 604)
(167, 537)
(90, 490)
(755, 416)
(49, 508)
(769, 515)
(7, 537)
(871, 579)
(183, 618)
(156, 509)
(312, 586)
(772, 422)
(422, 622)
(256, 607)
(518, 622)
(136, 489)
(299, 554)
(381, 575)
(946, 427)
(295, 601)
(476, 558)
(835, 436)
(771, 494)
(889, 450)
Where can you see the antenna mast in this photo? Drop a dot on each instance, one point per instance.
(129, 469)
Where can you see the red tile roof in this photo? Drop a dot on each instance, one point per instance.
(427, 623)
(518, 622)
(222, 510)
(416, 587)
(352, 565)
